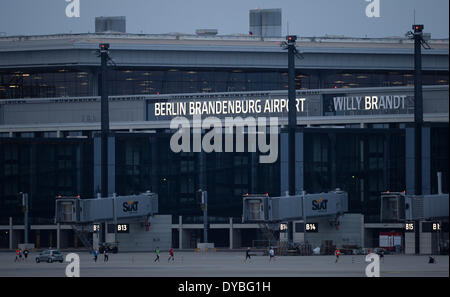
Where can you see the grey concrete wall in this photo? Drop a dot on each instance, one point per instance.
(159, 235)
(351, 231)
(410, 243)
(71, 112)
(245, 54)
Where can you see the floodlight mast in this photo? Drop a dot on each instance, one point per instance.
(292, 119)
(104, 56)
(417, 35)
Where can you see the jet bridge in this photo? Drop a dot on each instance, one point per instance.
(262, 208)
(398, 206)
(73, 210)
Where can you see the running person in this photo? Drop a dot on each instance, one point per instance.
(95, 255)
(17, 255)
(105, 254)
(247, 255)
(271, 254)
(337, 253)
(171, 256)
(157, 254)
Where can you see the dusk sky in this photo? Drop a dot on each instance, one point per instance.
(305, 17)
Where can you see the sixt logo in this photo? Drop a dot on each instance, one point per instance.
(130, 206)
(319, 204)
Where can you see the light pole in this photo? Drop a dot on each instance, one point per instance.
(292, 117)
(104, 56)
(417, 35)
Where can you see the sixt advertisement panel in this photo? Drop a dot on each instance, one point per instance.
(122, 206)
(323, 204)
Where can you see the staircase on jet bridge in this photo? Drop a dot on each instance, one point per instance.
(83, 233)
(268, 231)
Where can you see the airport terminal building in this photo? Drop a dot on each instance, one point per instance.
(355, 129)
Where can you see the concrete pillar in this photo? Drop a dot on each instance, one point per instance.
(58, 134)
(58, 236)
(409, 161)
(299, 170)
(10, 233)
(426, 161)
(231, 233)
(180, 232)
(284, 160)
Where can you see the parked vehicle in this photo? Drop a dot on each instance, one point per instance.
(50, 256)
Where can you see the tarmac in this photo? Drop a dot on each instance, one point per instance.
(225, 264)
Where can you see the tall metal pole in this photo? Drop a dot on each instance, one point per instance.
(104, 128)
(104, 118)
(292, 116)
(418, 119)
(292, 120)
(418, 110)
(205, 215)
(25, 219)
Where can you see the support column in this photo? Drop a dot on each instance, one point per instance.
(299, 170)
(10, 233)
(284, 160)
(426, 161)
(58, 236)
(231, 233)
(409, 161)
(180, 232)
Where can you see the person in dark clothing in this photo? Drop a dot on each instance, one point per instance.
(171, 255)
(105, 254)
(380, 253)
(247, 255)
(25, 253)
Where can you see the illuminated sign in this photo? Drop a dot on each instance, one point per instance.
(341, 104)
(369, 102)
(95, 227)
(409, 227)
(309, 227)
(431, 227)
(312, 227)
(225, 107)
(121, 228)
(311, 104)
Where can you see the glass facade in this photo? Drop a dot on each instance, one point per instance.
(46, 83)
(146, 162)
(362, 161)
(439, 157)
(74, 82)
(44, 168)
